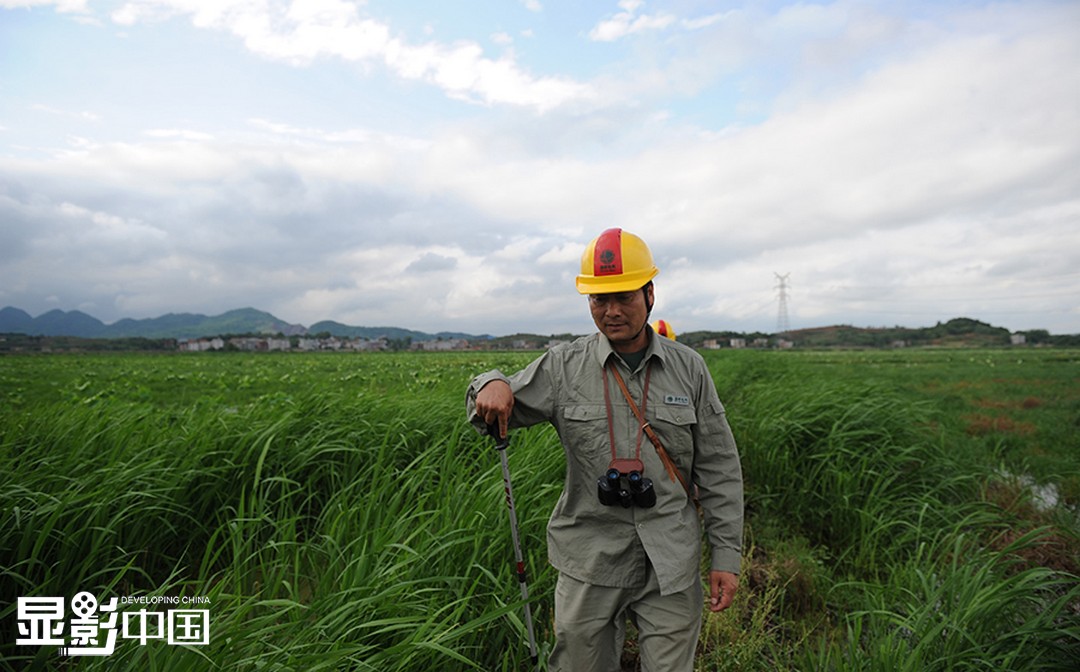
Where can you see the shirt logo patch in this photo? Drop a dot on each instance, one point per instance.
(676, 400)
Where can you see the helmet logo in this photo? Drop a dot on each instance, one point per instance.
(608, 259)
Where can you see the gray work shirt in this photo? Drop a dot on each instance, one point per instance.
(610, 545)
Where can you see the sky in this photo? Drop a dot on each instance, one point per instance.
(441, 166)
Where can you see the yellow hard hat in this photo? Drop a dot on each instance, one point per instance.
(663, 327)
(615, 261)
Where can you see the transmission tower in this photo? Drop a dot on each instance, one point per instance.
(782, 326)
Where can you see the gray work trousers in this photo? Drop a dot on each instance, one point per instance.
(589, 631)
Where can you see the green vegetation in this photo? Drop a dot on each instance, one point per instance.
(960, 332)
(907, 510)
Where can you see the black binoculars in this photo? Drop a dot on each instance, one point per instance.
(626, 488)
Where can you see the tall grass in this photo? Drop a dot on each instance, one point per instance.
(340, 515)
(907, 554)
(330, 532)
(977, 611)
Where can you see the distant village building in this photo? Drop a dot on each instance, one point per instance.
(276, 344)
(1018, 339)
(441, 345)
(365, 345)
(738, 343)
(248, 343)
(201, 344)
(280, 344)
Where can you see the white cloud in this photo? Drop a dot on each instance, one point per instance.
(628, 22)
(104, 219)
(431, 262)
(63, 6)
(932, 171)
(705, 21)
(180, 133)
(84, 115)
(301, 33)
(464, 73)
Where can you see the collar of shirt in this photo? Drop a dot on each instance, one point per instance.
(604, 351)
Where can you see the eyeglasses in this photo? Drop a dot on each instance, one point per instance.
(621, 298)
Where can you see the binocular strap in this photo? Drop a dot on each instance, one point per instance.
(607, 404)
(644, 427)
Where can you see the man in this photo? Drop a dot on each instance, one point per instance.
(619, 550)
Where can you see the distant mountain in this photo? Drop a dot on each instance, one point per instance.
(14, 321)
(191, 325)
(956, 332)
(173, 325)
(75, 321)
(345, 331)
(960, 331)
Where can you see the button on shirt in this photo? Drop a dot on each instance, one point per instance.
(610, 545)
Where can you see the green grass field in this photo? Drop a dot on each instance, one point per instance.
(906, 510)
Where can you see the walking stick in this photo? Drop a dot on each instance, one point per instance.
(501, 446)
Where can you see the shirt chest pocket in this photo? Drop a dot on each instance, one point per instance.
(675, 427)
(585, 429)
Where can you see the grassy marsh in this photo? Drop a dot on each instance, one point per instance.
(339, 515)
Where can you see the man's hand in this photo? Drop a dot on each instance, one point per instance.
(722, 587)
(494, 402)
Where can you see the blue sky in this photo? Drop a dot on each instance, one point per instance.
(441, 166)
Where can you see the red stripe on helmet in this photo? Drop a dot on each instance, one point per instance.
(663, 328)
(607, 255)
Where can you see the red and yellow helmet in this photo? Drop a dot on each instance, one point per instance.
(663, 327)
(615, 261)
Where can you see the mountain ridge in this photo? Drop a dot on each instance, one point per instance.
(78, 324)
(250, 321)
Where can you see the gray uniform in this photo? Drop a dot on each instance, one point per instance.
(628, 548)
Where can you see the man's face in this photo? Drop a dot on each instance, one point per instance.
(621, 317)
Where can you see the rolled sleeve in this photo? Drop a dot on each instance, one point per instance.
(533, 390)
(472, 390)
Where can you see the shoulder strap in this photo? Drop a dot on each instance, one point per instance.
(673, 472)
